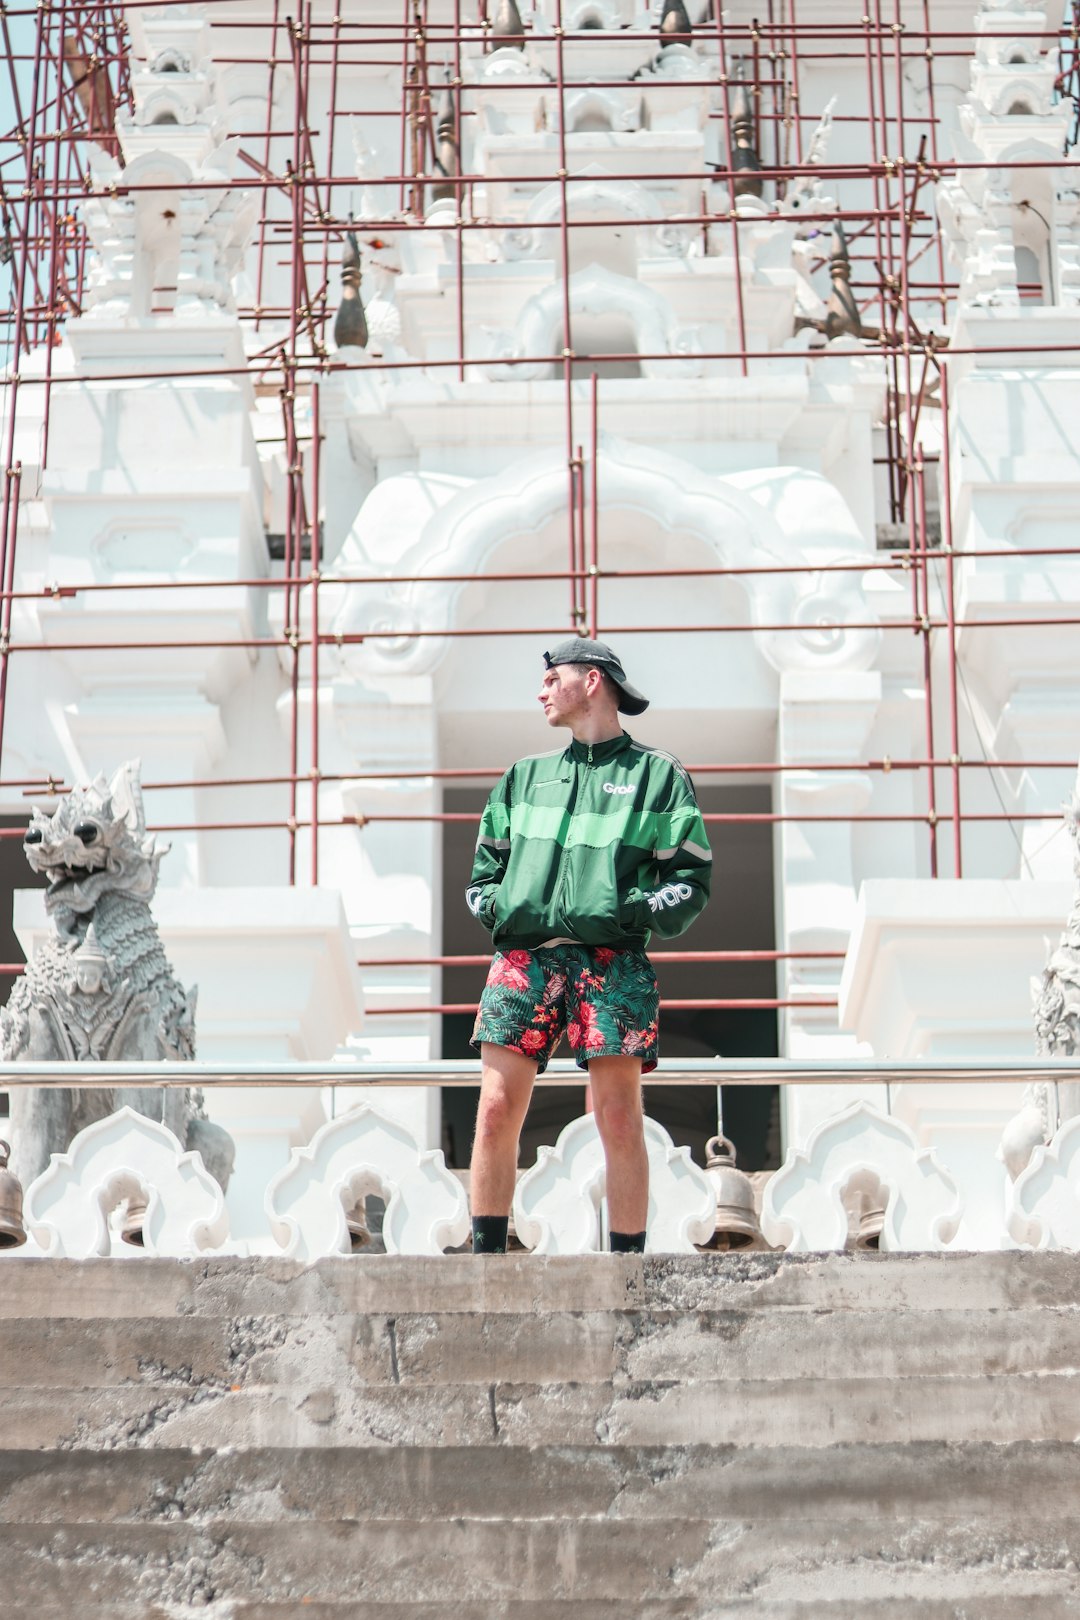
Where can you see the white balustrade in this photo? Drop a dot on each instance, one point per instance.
(364, 1152)
(1043, 1203)
(557, 1203)
(66, 1209)
(852, 1153)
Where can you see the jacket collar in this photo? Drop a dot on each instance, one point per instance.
(601, 752)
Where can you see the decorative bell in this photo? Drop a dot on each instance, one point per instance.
(871, 1222)
(356, 1222)
(131, 1227)
(12, 1230)
(736, 1219)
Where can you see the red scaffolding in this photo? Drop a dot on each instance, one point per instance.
(70, 71)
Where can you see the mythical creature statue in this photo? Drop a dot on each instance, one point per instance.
(100, 990)
(1056, 999)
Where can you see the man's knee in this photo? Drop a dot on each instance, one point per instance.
(620, 1121)
(498, 1115)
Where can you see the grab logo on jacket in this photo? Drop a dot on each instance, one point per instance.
(618, 787)
(672, 894)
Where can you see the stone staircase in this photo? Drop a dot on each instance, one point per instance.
(873, 1437)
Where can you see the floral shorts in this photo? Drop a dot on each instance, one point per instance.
(607, 1002)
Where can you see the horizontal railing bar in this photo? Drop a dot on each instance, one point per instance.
(466, 1072)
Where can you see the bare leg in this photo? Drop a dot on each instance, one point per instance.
(616, 1091)
(505, 1088)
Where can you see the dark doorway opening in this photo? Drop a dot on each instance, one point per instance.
(740, 916)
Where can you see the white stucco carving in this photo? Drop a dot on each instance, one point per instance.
(1043, 1203)
(854, 1151)
(557, 1203)
(125, 1156)
(361, 1153)
(644, 486)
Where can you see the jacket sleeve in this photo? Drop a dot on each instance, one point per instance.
(492, 854)
(683, 866)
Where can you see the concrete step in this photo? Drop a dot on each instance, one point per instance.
(409, 1561)
(1015, 1604)
(596, 1346)
(108, 1290)
(739, 1412)
(658, 1483)
(803, 1438)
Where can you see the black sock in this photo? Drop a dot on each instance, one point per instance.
(626, 1242)
(489, 1233)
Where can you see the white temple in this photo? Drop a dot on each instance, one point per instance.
(442, 467)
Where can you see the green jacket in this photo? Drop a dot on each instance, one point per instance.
(596, 844)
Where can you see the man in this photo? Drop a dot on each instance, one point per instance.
(581, 854)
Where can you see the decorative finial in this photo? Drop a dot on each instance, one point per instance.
(675, 25)
(350, 324)
(842, 318)
(508, 31)
(744, 156)
(447, 155)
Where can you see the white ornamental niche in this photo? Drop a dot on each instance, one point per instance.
(125, 1156)
(856, 1154)
(361, 1153)
(559, 1205)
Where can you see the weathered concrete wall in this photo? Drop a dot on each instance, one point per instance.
(871, 1437)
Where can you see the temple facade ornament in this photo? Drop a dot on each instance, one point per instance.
(855, 1158)
(125, 1156)
(1043, 1208)
(101, 990)
(350, 325)
(309, 1204)
(557, 1205)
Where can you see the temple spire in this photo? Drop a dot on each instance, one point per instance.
(744, 155)
(675, 25)
(447, 152)
(350, 323)
(842, 318)
(508, 30)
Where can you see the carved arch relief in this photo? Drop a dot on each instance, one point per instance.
(557, 1202)
(125, 1156)
(364, 1152)
(858, 1149)
(1043, 1203)
(596, 292)
(595, 195)
(736, 526)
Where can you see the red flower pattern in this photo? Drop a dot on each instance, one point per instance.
(591, 1036)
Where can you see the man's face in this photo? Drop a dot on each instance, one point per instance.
(565, 691)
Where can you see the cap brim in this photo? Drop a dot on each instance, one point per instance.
(630, 699)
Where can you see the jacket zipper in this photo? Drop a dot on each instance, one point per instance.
(563, 853)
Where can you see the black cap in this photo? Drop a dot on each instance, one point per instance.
(580, 650)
